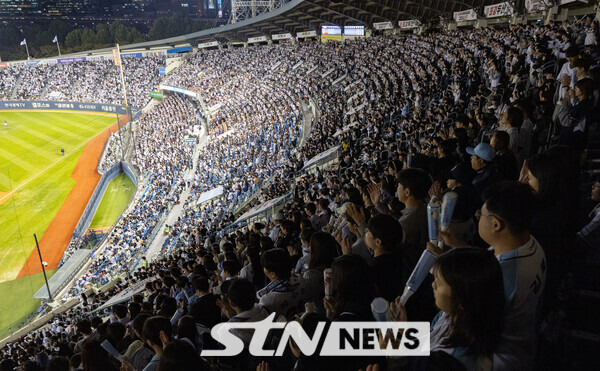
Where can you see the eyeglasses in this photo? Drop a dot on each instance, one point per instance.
(478, 215)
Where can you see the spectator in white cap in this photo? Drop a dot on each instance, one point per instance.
(482, 161)
(277, 218)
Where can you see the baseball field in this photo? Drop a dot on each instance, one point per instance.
(42, 191)
(116, 197)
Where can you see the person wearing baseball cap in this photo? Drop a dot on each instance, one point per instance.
(482, 161)
(276, 220)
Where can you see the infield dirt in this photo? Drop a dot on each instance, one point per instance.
(60, 231)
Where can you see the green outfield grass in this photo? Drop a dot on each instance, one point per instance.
(29, 146)
(115, 199)
(18, 302)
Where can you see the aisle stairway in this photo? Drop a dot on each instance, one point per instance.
(16, 87)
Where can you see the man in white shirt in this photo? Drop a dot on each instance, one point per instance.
(505, 221)
(277, 218)
(284, 294)
(567, 75)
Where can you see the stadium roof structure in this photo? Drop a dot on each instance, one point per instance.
(306, 15)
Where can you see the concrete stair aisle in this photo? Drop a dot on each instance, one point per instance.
(16, 87)
(44, 91)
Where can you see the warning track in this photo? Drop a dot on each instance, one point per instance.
(58, 235)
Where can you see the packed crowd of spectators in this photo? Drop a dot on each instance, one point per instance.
(500, 117)
(112, 152)
(8, 80)
(93, 81)
(163, 157)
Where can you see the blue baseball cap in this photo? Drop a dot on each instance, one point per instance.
(483, 150)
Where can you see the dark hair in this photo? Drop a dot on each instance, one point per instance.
(84, 326)
(448, 147)
(168, 307)
(309, 323)
(120, 310)
(352, 288)
(74, 361)
(232, 267)
(502, 140)
(169, 281)
(242, 293)
(477, 301)
(515, 116)
(462, 137)
(583, 62)
(310, 207)
(306, 233)
(138, 322)
(179, 355)
(115, 333)
(277, 261)
(354, 196)
(201, 284)
(150, 286)
(547, 172)
(59, 364)
(258, 276)
(94, 357)
(324, 203)
(512, 202)
(417, 180)
(134, 309)
(571, 52)
(266, 243)
(387, 229)
(463, 119)
(323, 250)
(209, 264)
(187, 329)
(586, 86)
(96, 321)
(175, 272)
(153, 326)
(182, 282)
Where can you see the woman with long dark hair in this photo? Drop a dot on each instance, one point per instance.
(469, 291)
(188, 332)
(323, 251)
(180, 356)
(253, 271)
(554, 176)
(352, 290)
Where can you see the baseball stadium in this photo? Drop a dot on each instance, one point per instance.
(385, 184)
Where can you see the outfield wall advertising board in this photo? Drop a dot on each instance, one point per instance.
(71, 106)
(131, 55)
(70, 60)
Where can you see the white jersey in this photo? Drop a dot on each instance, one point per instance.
(524, 271)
